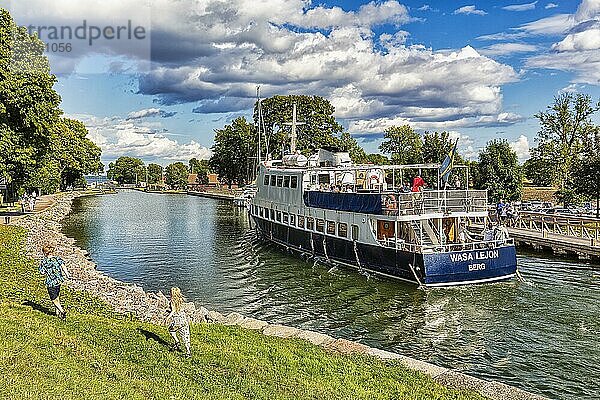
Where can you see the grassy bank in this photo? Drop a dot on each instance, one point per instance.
(97, 354)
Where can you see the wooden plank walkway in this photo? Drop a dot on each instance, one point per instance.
(558, 244)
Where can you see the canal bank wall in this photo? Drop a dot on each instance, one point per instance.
(45, 228)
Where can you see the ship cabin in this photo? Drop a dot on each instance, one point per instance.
(405, 207)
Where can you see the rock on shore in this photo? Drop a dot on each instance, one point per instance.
(45, 228)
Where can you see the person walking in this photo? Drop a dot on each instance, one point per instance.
(53, 268)
(179, 322)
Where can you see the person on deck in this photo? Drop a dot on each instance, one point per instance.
(418, 184)
(179, 321)
(500, 209)
(55, 272)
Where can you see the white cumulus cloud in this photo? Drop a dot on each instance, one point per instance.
(118, 136)
(469, 10)
(520, 7)
(521, 147)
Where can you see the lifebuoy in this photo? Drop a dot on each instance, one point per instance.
(374, 177)
(390, 202)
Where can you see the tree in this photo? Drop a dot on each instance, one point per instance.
(499, 171)
(74, 153)
(539, 169)
(234, 146)
(126, 170)
(404, 144)
(586, 172)
(176, 175)
(349, 144)
(377, 159)
(565, 129)
(155, 173)
(436, 146)
(201, 168)
(320, 129)
(38, 147)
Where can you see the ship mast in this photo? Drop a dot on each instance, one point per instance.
(293, 124)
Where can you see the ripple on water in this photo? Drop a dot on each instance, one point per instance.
(540, 337)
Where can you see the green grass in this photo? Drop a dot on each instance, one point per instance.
(98, 354)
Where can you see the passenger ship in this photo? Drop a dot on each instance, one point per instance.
(435, 237)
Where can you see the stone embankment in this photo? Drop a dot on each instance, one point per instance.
(44, 228)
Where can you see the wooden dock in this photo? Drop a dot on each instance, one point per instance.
(562, 235)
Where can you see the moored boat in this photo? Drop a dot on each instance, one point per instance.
(361, 216)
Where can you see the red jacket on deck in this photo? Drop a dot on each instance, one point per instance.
(418, 182)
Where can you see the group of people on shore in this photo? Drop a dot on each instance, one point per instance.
(505, 212)
(28, 201)
(54, 270)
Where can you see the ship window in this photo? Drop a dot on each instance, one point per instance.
(300, 221)
(313, 179)
(272, 214)
(286, 181)
(320, 225)
(342, 230)
(279, 180)
(285, 218)
(330, 228)
(278, 216)
(292, 220)
(273, 177)
(324, 179)
(310, 223)
(354, 232)
(266, 181)
(294, 182)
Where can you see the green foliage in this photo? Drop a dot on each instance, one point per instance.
(586, 173)
(36, 143)
(200, 167)
(320, 130)
(540, 169)
(176, 175)
(404, 144)
(125, 170)
(565, 130)
(155, 173)
(75, 154)
(233, 150)
(499, 171)
(99, 354)
(349, 144)
(436, 146)
(377, 159)
(46, 178)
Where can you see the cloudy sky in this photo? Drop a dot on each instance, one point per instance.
(478, 69)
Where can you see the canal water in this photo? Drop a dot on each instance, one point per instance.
(541, 336)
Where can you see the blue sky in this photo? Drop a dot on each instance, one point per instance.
(477, 69)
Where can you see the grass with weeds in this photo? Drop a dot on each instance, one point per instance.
(98, 354)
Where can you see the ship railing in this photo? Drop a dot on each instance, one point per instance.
(446, 248)
(434, 201)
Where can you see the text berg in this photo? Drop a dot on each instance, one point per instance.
(474, 255)
(476, 267)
